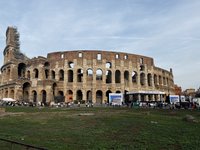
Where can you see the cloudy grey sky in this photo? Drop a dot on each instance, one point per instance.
(167, 30)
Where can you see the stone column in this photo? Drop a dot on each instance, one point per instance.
(74, 94)
(65, 83)
(138, 76)
(146, 97)
(94, 82)
(153, 97)
(159, 97)
(139, 97)
(94, 95)
(84, 92)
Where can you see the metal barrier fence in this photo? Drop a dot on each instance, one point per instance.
(13, 145)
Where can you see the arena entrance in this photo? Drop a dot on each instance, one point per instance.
(69, 96)
(99, 97)
(89, 96)
(107, 95)
(26, 90)
(44, 96)
(34, 93)
(79, 95)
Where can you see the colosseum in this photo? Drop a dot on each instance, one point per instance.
(80, 75)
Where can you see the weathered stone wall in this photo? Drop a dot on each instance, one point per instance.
(80, 75)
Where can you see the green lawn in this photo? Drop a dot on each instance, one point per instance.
(101, 128)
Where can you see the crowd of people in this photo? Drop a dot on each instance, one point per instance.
(137, 104)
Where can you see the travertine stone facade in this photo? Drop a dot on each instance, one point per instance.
(80, 75)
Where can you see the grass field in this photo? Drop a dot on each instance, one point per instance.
(101, 128)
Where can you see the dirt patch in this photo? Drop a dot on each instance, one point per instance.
(2, 110)
(11, 114)
(146, 113)
(86, 114)
(190, 118)
(172, 113)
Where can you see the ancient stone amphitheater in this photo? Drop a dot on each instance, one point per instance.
(83, 75)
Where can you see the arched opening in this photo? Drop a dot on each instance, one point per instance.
(149, 79)
(108, 76)
(71, 65)
(150, 97)
(89, 75)
(99, 56)
(126, 78)
(79, 75)
(8, 74)
(99, 97)
(53, 75)
(79, 95)
(12, 93)
(142, 97)
(80, 55)
(125, 57)
(61, 75)
(46, 64)
(21, 70)
(60, 93)
(107, 95)
(60, 97)
(46, 73)
(118, 91)
(6, 93)
(44, 97)
(164, 81)
(46, 70)
(70, 76)
(108, 65)
(89, 96)
(117, 56)
(155, 80)
(167, 81)
(141, 61)
(34, 94)
(26, 91)
(35, 73)
(69, 96)
(142, 79)
(142, 68)
(134, 77)
(54, 89)
(117, 76)
(62, 56)
(99, 74)
(160, 80)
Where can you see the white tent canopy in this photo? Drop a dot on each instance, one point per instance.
(146, 92)
(8, 100)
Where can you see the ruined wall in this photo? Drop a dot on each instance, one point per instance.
(79, 75)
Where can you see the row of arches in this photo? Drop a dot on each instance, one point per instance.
(135, 77)
(98, 96)
(7, 93)
(79, 96)
(44, 95)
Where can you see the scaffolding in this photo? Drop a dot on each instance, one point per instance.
(16, 36)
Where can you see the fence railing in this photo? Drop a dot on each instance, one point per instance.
(13, 145)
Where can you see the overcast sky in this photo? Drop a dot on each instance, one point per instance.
(167, 30)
